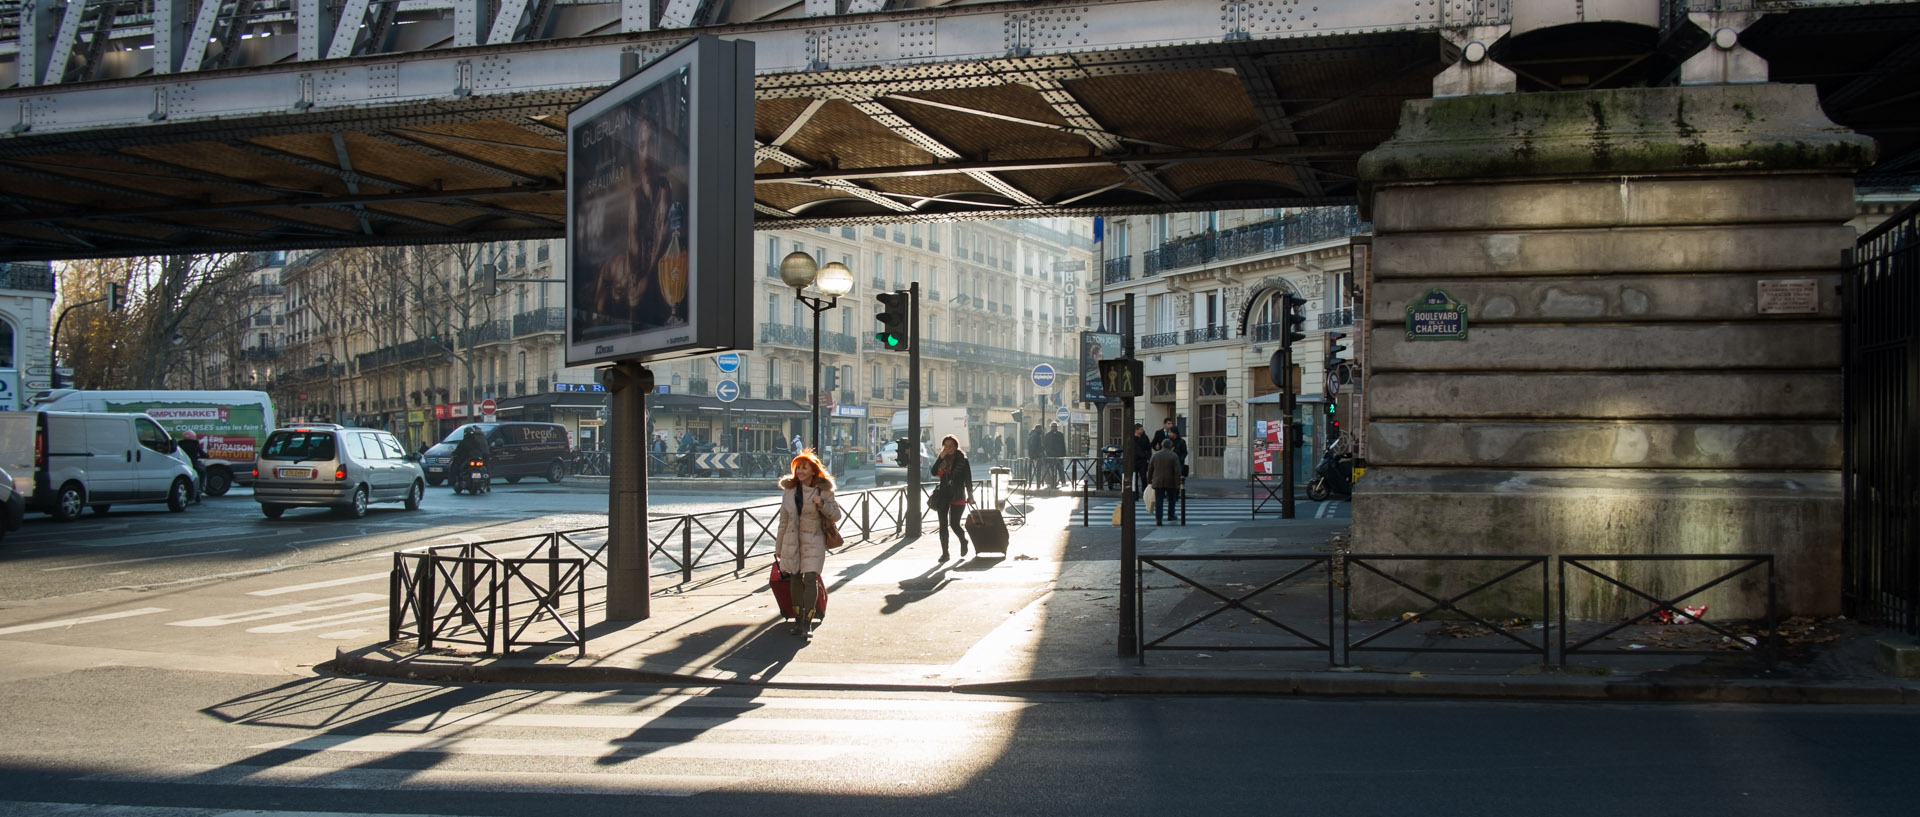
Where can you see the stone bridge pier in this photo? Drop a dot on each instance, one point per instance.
(1652, 351)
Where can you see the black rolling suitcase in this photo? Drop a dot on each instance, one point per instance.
(987, 529)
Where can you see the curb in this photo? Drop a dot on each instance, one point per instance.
(1121, 682)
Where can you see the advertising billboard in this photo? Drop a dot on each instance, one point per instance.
(1095, 347)
(659, 209)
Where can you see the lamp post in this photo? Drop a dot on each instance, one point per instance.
(333, 385)
(799, 270)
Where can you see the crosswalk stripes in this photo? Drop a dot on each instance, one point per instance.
(669, 745)
(1211, 510)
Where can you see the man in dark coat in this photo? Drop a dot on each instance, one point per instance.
(1056, 448)
(1142, 452)
(1167, 427)
(1036, 455)
(196, 456)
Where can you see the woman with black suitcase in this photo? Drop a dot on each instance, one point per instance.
(949, 498)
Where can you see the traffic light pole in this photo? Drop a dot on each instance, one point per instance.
(913, 411)
(1286, 430)
(53, 343)
(1129, 529)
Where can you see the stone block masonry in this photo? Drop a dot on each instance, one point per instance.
(1625, 386)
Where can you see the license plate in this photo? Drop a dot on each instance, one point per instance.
(306, 473)
(435, 469)
(477, 475)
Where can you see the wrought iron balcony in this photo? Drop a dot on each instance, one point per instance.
(1160, 340)
(26, 277)
(1335, 318)
(1299, 229)
(1119, 270)
(1206, 334)
(548, 319)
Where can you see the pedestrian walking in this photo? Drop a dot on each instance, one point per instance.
(796, 445)
(1056, 448)
(1036, 455)
(1163, 473)
(1142, 451)
(1167, 428)
(807, 511)
(196, 456)
(950, 497)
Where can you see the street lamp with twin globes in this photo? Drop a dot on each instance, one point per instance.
(799, 270)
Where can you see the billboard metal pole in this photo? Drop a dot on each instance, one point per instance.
(628, 596)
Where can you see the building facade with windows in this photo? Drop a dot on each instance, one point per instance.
(996, 300)
(1208, 309)
(26, 307)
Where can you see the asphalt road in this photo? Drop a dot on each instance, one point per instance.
(146, 546)
(123, 741)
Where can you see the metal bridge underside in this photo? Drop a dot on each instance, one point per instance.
(1253, 121)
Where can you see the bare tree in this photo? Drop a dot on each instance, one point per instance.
(174, 306)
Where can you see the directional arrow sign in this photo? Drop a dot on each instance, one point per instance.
(727, 390)
(718, 462)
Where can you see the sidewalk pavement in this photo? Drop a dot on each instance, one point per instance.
(1045, 618)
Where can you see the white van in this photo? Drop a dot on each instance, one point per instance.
(83, 460)
(231, 424)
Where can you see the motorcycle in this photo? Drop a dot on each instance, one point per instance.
(1334, 475)
(471, 477)
(1111, 474)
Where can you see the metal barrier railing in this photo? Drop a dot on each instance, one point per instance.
(1227, 603)
(463, 594)
(471, 595)
(1451, 604)
(1528, 634)
(1766, 644)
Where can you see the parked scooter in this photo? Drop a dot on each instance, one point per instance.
(472, 477)
(1111, 474)
(1334, 474)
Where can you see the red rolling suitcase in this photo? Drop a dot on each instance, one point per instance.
(783, 594)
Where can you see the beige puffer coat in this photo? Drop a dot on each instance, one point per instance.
(802, 543)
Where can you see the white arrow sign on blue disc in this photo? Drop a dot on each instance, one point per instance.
(727, 390)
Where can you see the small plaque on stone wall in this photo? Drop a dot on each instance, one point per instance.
(1436, 316)
(1791, 296)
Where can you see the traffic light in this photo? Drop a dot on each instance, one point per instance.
(116, 297)
(894, 319)
(1336, 350)
(903, 452)
(1291, 320)
(832, 379)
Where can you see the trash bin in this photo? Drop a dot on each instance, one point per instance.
(853, 461)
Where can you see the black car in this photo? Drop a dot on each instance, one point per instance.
(514, 451)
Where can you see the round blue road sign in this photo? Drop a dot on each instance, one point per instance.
(727, 390)
(728, 362)
(1043, 375)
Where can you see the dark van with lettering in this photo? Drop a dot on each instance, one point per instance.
(514, 451)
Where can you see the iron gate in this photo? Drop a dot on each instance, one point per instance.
(1881, 561)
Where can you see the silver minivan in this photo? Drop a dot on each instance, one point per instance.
(320, 465)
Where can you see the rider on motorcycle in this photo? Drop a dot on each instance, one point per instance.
(472, 448)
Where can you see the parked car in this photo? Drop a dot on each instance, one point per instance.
(514, 451)
(887, 470)
(320, 465)
(81, 460)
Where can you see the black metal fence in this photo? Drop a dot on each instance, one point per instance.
(1881, 469)
(488, 595)
(1510, 603)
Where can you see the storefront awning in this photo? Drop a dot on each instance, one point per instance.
(576, 401)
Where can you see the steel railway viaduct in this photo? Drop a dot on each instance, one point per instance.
(1637, 207)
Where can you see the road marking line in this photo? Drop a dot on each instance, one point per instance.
(697, 750)
(322, 777)
(758, 703)
(323, 621)
(131, 561)
(276, 591)
(706, 726)
(54, 625)
(283, 610)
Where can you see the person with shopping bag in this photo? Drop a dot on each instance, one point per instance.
(1163, 476)
(950, 497)
(808, 514)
